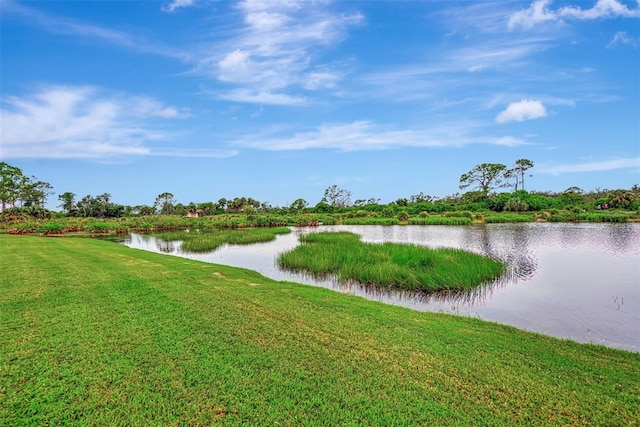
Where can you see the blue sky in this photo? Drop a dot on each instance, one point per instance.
(278, 100)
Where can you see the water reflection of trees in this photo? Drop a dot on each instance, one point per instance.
(511, 244)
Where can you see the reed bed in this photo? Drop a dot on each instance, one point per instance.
(439, 220)
(206, 242)
(370, 221)
(389, 265)
(508, 218)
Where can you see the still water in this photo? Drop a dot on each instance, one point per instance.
(576, 281)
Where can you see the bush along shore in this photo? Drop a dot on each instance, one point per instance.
(100, 334)
(99, 226)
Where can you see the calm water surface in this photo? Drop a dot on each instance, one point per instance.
(576, 281)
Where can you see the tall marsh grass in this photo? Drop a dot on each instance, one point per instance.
(210, 240)
(370, 221)
(439, 220)
(508, 218)
(389, 265)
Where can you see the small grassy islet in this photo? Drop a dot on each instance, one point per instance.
(210, 240)
(389, 265)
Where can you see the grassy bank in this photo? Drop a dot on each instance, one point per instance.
(95, 333)
(389, 265)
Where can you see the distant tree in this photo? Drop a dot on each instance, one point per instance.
(323, 207)
(574, 190)
(298, 205)
(208, 208)
(485, 177)
(68, 204)
(179, 209)
(520, 169)
(16, 187)
(510, 174)
(101, 205)
(192, 207)
(165, 203)
(336, 197)
(10, 178)
(402, 202)
(85, 206)
(621, 198)
(222, 204)
(419, 198)
(144, 210)
(33, 192)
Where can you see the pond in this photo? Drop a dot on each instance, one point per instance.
(575, 281)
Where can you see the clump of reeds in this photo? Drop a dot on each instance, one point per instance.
(508, 217)
(370, 221)
(389, 265)
(439, 220)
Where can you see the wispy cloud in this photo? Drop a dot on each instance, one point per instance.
(526, 109)
(68, 26)
(85, 122)
(275, 51)
(365, 135)
(621, 38)
(540, 11)
(177, 4)
(605, 165)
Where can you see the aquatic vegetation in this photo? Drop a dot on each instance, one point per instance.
(439, 220)
(508, 218)
(370, 221)
(389, 265)
(212, 239)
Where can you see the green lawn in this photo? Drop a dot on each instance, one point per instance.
(94, 333)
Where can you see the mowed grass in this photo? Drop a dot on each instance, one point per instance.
(94, 333)
(389, 265)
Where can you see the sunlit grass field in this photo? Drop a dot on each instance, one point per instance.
(94, 333)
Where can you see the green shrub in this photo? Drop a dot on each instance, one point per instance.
(98, 227)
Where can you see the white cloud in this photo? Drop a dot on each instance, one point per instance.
(622, 38)
(177, 4)
(526, 109)
(68, 26)
(83, 122)
(602, 9)
(539, 12)
(364, 135)
(606, 165)
(277, 49)
(261, 97)
(509, 141)
(535, 14)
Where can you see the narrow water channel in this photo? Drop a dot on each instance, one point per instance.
(575, 281)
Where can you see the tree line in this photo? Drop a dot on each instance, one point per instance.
(28, 195)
